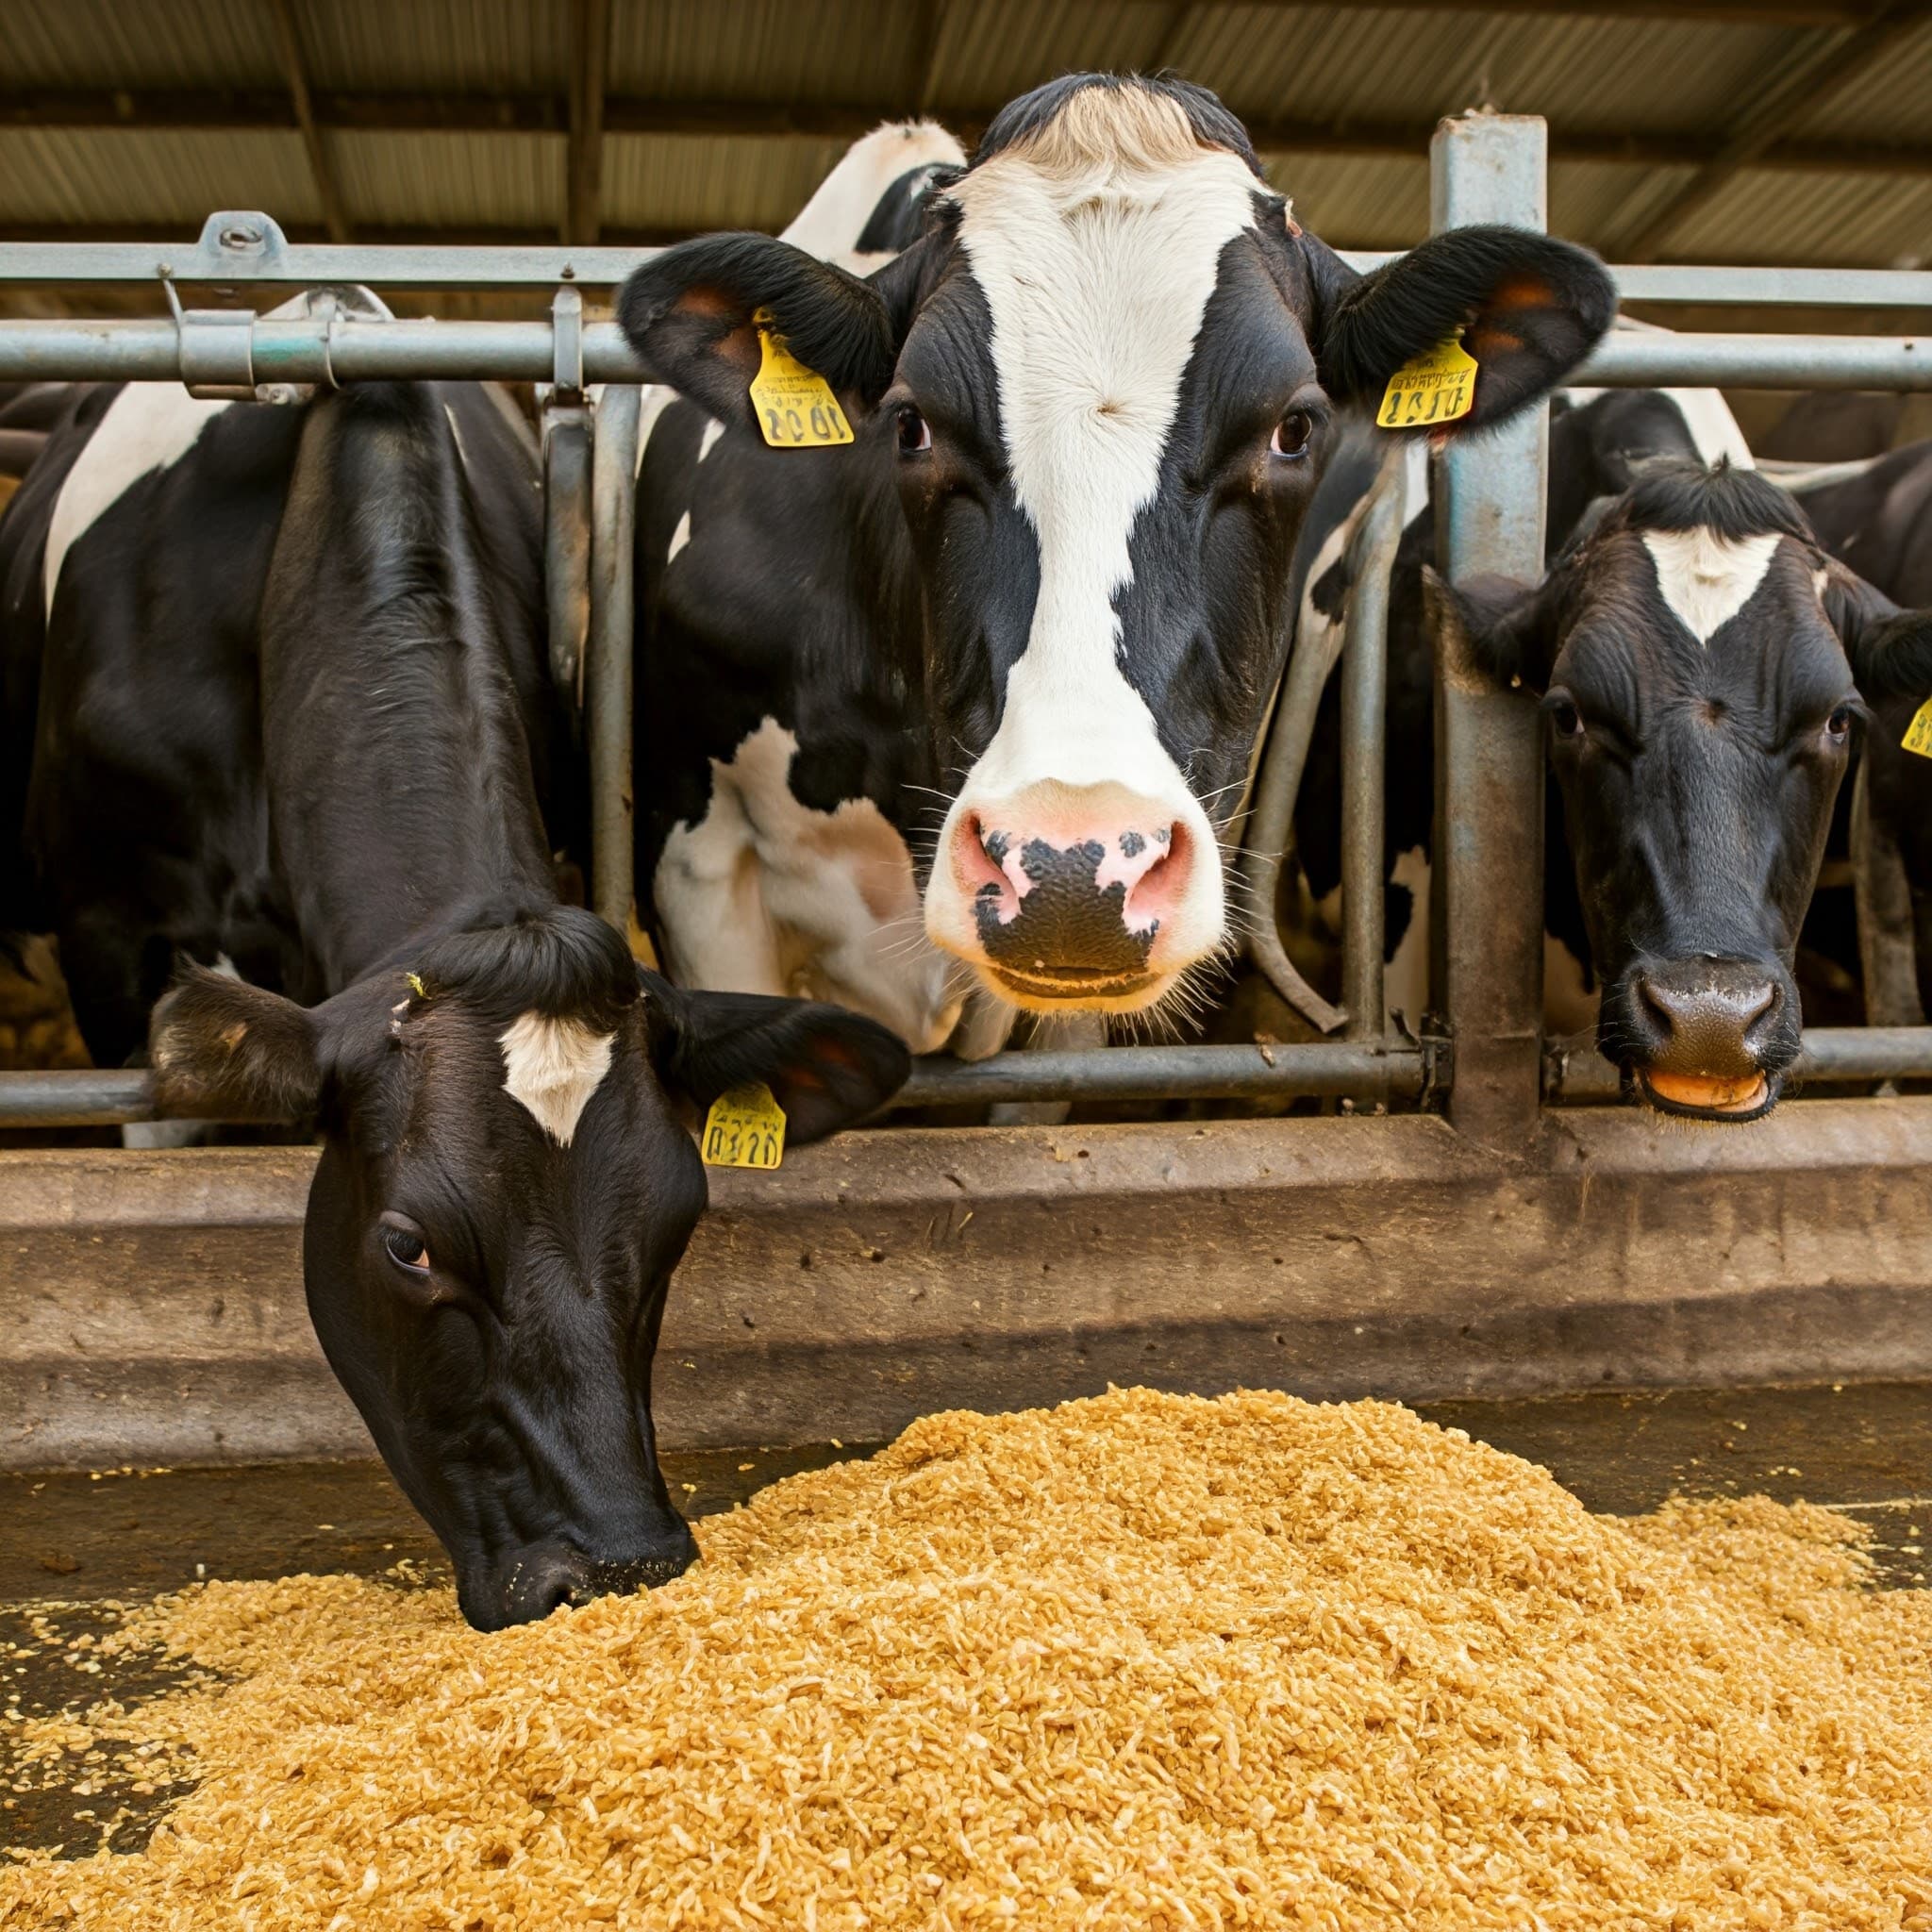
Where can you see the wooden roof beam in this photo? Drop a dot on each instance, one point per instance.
(589, 66)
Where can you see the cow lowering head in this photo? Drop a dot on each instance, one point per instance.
(1103, 384)
(1699, 661)
(503, 1190)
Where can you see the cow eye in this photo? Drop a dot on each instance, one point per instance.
(915, 432)
(1291, 435)
(404, 1244)
(1565, 719)
(1839, 724)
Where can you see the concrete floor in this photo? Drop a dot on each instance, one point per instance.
(88, 1542)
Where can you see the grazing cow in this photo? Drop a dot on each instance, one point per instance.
(275, 695)
(772, 747)
(1092, 402)
(1699, 659)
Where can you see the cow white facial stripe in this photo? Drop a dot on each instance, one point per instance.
(553, 1067)
(1097, 281)
(149, 425)
(1705, 578)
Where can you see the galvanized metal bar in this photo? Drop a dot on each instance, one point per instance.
(1771, 288)
(1487, 904)
(1829, 1053)
(609, 679)
(296, 350)
(567, 544)
(1364, 735)
(1638, 361)
(1321, 1068)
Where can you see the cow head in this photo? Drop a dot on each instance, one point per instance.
(1699, 661)
(505, 1188)
(1103, 383)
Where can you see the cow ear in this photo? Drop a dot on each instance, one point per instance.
(826, 1067)
(1528, 310)
(219, 1049)
(1492, 632)
(1891, 650)
(690, 313)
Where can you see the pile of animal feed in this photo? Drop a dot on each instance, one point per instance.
(1142, 1661)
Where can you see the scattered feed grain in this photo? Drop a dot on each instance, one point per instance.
(1140, 1662)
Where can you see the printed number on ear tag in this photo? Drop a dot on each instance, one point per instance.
(744, 1128)
(1918, 735)
(1435, 387)
(796, 405)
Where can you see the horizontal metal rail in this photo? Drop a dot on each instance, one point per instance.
(1829, 1053)
(294, 350)
(225, 253)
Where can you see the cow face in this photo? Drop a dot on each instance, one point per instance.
(505, 1188)
(1698, 656)
(1102, 386)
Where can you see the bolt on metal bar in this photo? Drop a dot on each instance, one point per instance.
(1486, 906)
(609, 677)
(1364, 760)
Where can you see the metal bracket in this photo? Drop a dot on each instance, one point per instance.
(217, 348)
(567, 337)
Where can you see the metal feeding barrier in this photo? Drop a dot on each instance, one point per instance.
(1481, 1054)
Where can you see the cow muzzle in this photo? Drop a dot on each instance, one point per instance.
(1706, 1038)
(527, 1584)
(1064, 898)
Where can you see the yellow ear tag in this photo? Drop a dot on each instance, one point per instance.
(744, 1128)
(796, 405)
(1918, 735)
(1435, 387)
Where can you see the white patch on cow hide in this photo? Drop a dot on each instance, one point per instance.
(679, 536)
(1570, 1002)
(766, 894)
(707, 442)
(554, 1065)
(1406, 978)
(148, 427)
(1705, 578)
(1097, 246)
(830, 223)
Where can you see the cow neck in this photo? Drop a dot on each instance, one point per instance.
(398, 728)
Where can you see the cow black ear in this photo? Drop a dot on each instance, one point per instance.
(1528, 310)
(826, 1067)
(690, 313)
(1493, 632)
(1891, 650)
(219, 1049)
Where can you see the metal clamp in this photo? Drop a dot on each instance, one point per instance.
(567, 339)
(217, 348)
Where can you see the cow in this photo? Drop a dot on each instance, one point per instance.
(772, 747)
(1599, 441)
(275, 702)
(1875, 517)
(1091, 404)
(1699, 659)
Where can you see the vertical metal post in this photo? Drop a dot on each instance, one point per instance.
(567, 499)
(1364, 732)
(610, 674)
(1487, 895)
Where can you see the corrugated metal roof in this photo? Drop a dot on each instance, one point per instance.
(1328, 70)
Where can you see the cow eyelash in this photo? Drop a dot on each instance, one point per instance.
(915, 432)
(404, 1244)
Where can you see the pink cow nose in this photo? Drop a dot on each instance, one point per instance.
(1069, 907)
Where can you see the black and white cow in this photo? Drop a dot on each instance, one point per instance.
(275, 696)
(1875, 517)
(1699, 659)
(773, 747)
(1599, 441)
(1092, 400)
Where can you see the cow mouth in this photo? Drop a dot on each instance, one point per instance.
(1071, 985)
(1734, 1099)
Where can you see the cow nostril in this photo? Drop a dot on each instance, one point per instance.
(1760, 1003)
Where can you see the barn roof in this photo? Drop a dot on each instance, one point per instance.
(1713, 130)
